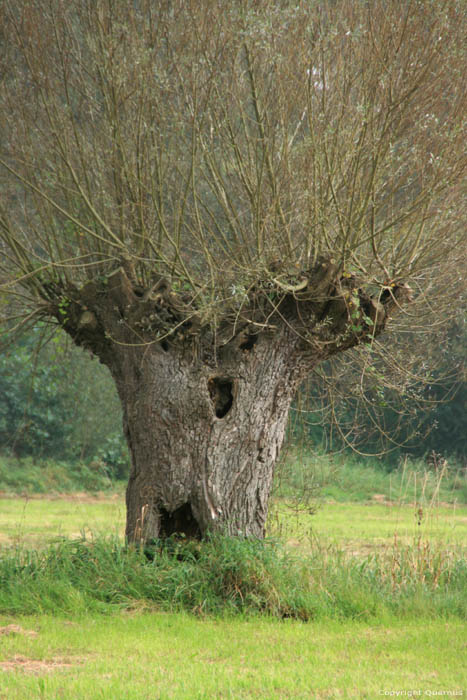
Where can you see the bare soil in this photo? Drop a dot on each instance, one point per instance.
(37, 667)
(16, 629)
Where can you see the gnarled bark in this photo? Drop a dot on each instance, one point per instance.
(204, 440)
(205, 406)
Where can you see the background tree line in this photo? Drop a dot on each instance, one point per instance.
(350, 406)
(56, 404)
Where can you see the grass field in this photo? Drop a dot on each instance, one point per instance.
(149, 656)
(141, 652)
(364, 528)
(355, 527)
(34, 521)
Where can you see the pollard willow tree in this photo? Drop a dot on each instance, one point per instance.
(213, 198)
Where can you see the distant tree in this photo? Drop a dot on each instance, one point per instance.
(57, 404)
(216, 197)
(34, 417)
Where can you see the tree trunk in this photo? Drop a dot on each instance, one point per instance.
(204, 442)
(205, 405)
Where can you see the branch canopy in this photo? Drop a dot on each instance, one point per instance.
(222, 146)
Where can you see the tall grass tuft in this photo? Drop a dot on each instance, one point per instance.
(232, 576)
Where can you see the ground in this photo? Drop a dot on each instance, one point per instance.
(146, 654)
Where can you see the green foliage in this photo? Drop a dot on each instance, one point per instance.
(112, 456)
(232, 576)
(35, 416)
(59, 404)
(434, 422)
(343, 408)
(444, 424)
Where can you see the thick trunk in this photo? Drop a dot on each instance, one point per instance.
(204, 442)
(205, 403)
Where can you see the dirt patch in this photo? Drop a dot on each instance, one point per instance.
(16, 629)
(36, 667)
(379, 497)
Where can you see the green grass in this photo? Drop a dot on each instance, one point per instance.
(351, 526)
(345, 478)
(28, 476)
(361, 598)
(381, 604)
(32, 522)
(364, 528)
(160, 656)
(233, 576)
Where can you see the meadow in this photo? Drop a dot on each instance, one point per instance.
(355, 527)
(165, 655)
(358, 599)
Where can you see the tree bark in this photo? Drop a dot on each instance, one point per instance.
(205, 405)
(204, 440)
